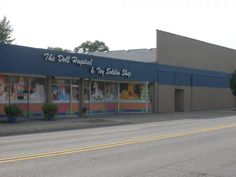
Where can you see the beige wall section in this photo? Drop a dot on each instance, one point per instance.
(166, 98)
(203, 98)
(211, 98)
(181, 51)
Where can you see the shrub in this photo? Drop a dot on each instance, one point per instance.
(50, 109)
(12, 110)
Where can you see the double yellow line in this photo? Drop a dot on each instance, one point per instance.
(111, 145)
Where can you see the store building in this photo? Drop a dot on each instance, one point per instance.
(29, 77)
(180, 74)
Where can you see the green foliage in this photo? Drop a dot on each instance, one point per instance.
(50, 109)
(89, 46)
(233, 83)
(59, 49)
(5, 31)
(12, 110)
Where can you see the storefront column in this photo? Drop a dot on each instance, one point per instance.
(9, 90)
(81, 97)
(48, 90)
(155, 97)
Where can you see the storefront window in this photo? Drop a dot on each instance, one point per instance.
(4, 94)
(111, 97)
(60, 94)
(133, 91)
(60, 91)
(37, 90)
(4, 89)
(133, 97)
(97, 91)
(19, 91)
(75, 90)
(110, 93)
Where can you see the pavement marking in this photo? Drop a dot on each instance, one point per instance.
(115, 144)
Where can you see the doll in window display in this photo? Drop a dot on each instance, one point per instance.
(109, 95)
(19, 89)
(38, 93)
(97, 92)
(63, 95)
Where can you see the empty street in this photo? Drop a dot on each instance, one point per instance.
(184, 147)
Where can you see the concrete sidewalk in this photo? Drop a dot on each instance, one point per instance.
(27, 126)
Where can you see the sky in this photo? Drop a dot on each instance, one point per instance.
(121, 24)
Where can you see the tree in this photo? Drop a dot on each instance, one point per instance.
(59, 49)
(5, 31)
(233, 83)
(89, 46)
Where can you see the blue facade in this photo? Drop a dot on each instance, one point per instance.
(181, 76)
(31, 61)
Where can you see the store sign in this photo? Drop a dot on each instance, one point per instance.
(67, 59)
(93, 70)
(110, 71)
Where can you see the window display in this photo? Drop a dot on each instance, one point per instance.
(60, 94)
(30, 93)
(110, 94)
(60, 91)
(20, 87)
(97, 91)
(37, 90)
(132, 91)
(4, 95)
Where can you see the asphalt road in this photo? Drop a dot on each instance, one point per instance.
(177, 148)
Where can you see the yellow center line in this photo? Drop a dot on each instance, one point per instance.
(115, 144)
